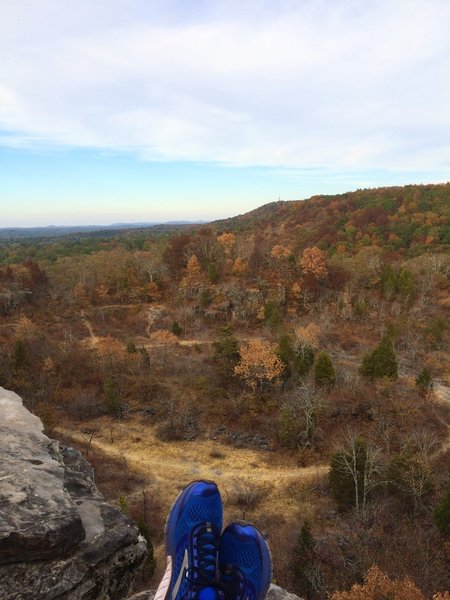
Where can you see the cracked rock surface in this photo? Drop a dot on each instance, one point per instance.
(59, 539)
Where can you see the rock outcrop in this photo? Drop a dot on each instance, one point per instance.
(275, 593)
(59, 539)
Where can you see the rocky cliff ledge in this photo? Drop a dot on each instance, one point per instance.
(274, 593)
(59, 539)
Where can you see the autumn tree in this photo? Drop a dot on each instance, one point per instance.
(314, 262)
(378, 586)
(259, 364)
(308, 335)
(164, 338)
(279, 251)
(176, 254)
(240, 266)
(194, 275)
(282, 258)
(227, 241)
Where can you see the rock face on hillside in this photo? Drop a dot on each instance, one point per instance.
(58, 538)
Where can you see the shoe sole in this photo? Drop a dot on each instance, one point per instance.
(163, 588)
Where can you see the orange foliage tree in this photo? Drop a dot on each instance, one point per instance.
(378, 586)
(279, 251)
(259, 363)
(194, 275)
(227, 241)
(240, 266)
(314, 262)
(308, 335)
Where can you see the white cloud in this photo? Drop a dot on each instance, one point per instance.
(330, 84)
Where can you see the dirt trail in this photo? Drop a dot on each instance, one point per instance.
(92, 337)
(171, 465)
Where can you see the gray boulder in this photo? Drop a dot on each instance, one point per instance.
(58, 537)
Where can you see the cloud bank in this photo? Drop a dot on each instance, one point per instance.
(341, 84)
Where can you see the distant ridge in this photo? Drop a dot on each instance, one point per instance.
(15, 233)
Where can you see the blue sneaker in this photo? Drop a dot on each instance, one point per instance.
(245, 563)
(192, 543)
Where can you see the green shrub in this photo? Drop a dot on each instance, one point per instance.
(273, 314)
(19, 354)
(150, 561)
(308, 579)
(226, 352)
(213, 273)
(381, 362)
(324, 372)
(424, 382)
(288, 429)
(285, 352)
(441, 514)
(176, 329)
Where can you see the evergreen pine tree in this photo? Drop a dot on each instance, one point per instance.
(226, 352)
(382, 361)
(307, 576)
(176, 329)
(441, 515)
(346, 471)
(389, 279)
(150, 561)
(424, 382)
(405, 284)
(112, 401)
(213, 273)
(324, 372)
(19, 354)
(285, 352)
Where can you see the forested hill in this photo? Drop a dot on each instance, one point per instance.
(400, 218)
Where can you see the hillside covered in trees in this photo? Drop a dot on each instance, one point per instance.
(297, 354)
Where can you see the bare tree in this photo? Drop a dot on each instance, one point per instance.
(425, 441)
(306, 404)
(358, 462)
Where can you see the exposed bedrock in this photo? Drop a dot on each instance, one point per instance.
(58, 537)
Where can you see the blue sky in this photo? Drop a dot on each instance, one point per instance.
(129, 110)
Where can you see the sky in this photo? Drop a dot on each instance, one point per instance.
(155, 110)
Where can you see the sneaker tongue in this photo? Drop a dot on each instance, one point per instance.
(208, 593)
